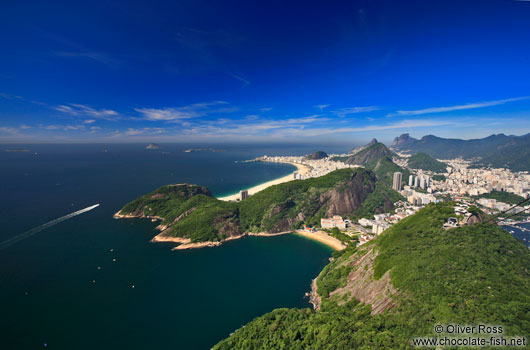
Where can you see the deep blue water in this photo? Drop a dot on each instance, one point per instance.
(180, 300)
(522, 235)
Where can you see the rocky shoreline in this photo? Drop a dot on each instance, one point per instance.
(186, 243)
(314, 298)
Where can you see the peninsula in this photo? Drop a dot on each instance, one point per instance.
(192, 217)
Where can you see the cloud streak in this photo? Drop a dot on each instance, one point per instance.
(79, 109)
(196, 110)
(343, 112)
(432, 110)
(245, 81)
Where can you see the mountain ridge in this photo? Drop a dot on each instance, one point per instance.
(496, 150)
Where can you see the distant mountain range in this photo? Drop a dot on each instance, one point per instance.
(498, 151)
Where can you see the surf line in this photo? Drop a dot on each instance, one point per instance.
(18, 238)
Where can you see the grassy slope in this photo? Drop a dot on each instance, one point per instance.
(466, 275)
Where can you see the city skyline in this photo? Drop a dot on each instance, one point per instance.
(241, 72)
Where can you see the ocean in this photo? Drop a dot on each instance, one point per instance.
(93, 282)
(521, 232)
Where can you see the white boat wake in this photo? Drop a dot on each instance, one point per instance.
(17, 238)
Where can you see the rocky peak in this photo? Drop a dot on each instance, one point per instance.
(403, 139)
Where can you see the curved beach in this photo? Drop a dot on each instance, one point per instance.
(301, 169)
(322, 238)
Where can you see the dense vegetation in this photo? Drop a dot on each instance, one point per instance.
(505, 197)
(385, 168)
(426, 162)
(372, 204)
(439, 177)
(465, 275)
(190, 211)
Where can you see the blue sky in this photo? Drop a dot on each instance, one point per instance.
(246, 71)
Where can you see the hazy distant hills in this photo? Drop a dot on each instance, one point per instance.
(496, 150)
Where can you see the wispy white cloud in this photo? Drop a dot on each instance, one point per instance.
(63, 127)
(404, 124)
(297, 128)
(240, 78)
(322, 107)
(243, 128)
(8, 130)
(10, 97)
(99, 57)
(196, 110)
(140, 131)
(89, 121)
(342, 112)
(457, 107)
(21, 98)
(79, 109)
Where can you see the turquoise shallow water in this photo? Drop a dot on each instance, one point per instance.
(180, 300)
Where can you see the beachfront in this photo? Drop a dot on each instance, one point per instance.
(301, 169)
(322, 237)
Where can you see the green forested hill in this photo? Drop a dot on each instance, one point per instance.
(505, 197)
(425, 162)
(190, 211)
(468, 275)
(385, 168)
(378, 158)
(370, 153)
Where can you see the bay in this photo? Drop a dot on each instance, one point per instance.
(95, 282)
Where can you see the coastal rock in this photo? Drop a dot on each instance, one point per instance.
(316, 156)
(348, 197)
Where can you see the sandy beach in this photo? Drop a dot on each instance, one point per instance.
(301, 169)
(323, 238)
